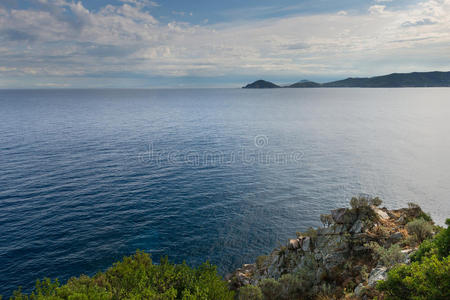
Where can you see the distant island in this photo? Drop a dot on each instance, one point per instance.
(415, 79)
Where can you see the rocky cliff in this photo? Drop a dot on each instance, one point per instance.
(347, 256)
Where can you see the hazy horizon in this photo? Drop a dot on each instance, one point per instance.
(176, 44)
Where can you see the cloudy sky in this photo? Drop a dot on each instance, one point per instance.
(209, 43)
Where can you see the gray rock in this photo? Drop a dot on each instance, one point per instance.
(338, 215)
(380, 213)
(377, 274)
(358, 290)
(402, 220)
(395, 237)
(325, 231)
(339, 229)
(306, 244)
(357, 227)
(333, 260)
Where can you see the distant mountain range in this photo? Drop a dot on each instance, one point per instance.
(416, 79)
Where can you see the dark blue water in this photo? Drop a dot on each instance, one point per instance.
(87, 177)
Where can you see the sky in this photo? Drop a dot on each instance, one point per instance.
(209, 43)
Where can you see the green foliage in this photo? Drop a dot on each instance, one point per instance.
(387, 257)
(250, 292)
(260, 260)
(419, 230)
(270, 288)
(359, 202)
(361, 206)
(440, 245)
(136, 277)
(427, 277)
(375, 201)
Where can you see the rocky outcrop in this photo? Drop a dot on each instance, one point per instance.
(340, 254)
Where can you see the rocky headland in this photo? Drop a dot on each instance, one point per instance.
(344, 259)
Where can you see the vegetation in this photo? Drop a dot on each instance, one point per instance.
(427, 277)
(387, 257)
(136, 277)
(419, 230)
(250, 292)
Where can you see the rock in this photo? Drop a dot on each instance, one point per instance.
(294, 244)
(325, 231)
(333, 260)
(338, 215)
(306, 244)
(395, 238)
(357, 227)
(358, 290)
(377, 274)
(339, 229)
(402, 220)
(381, 214)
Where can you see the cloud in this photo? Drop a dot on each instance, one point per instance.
(421, 22)
(62, 39)
(141, 3)
(377, 9)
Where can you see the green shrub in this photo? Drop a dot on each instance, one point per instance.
(419, 230)
(260, 260)
(361, 207)
(375, 201)
(359, 202)
(387, 257)
(136, 277)
(439, 245)
(270, 288)
(428, 279)
(250, 292)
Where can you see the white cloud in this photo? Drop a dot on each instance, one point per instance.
(377, 9)
(127, 38)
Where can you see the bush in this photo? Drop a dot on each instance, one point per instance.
(376, 201)
(387, 257)
(439, 245)
(428, 279)
(250, 292)
(260, 260)
(136, 277)
(420, 230)
(270, 288)
(358, 203)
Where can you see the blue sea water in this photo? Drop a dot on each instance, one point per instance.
(88, 176)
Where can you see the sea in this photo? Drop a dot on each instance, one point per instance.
(219, 175)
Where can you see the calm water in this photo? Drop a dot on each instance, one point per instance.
(89, 176)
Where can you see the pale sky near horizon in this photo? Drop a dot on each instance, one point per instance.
(181, 43)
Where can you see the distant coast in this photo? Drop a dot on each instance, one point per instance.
(394, 80)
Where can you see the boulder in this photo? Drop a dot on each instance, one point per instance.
(357, 227)
(381, 214)
(395, 238)
(338, 215)
(377, 274)
(358, 290)
(293, 244)
(306, 244)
